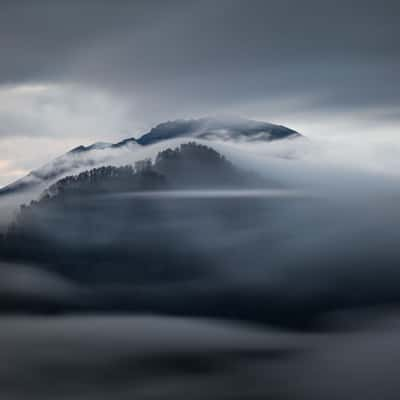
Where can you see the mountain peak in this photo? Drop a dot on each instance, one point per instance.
(217, 128)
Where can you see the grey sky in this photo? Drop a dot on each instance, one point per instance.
(76, 71)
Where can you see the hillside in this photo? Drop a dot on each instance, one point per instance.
(104, 227)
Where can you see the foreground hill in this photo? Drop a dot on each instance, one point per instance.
(189, 166)
(119, 224)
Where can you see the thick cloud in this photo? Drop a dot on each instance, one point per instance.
(343, 52)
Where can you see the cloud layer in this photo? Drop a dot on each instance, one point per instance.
(76, 71)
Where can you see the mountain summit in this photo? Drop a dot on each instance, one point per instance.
(239, 130)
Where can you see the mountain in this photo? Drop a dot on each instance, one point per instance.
(238, 130)
(101, 153)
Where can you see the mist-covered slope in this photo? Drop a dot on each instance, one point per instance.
(109, 221)
(81, 157)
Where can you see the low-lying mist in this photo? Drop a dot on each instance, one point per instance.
(270, 276)
(148, 357)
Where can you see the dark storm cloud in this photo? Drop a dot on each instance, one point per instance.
(197, 56)
(38, 39)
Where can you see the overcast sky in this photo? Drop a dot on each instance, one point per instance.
(75, 72)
